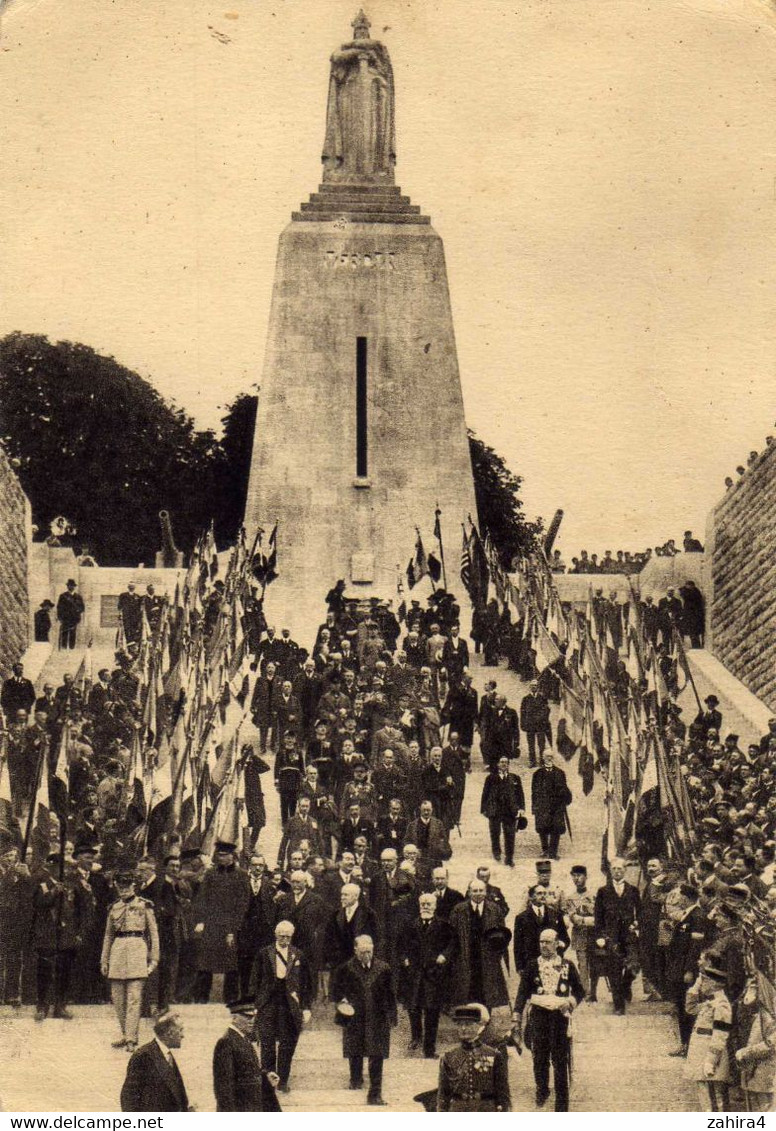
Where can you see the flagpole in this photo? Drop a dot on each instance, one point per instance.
(686, 666)
(31, 814)
(438, 516)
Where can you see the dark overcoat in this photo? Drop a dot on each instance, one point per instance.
(221, 903)
(493, 980)
(370, 992)
(422, 978)
(237, 1076)
(549, 797)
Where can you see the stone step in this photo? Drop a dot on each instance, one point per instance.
(369, 190)
(354, 195)
(363, 217)
(392, 207)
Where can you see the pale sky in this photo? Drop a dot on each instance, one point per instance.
(603, 174)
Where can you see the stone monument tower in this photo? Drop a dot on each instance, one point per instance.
(360, 430)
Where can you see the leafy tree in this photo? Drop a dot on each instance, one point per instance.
(497, 491)
(236, 448)
(94, 442)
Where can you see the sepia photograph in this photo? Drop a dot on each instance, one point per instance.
(387, 543)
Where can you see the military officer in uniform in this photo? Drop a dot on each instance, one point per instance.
(708, 1061)
(474, 1076)
(130, 952)
(550, 985)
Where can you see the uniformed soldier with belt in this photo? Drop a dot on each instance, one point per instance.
(474, 1076)
(130, 952)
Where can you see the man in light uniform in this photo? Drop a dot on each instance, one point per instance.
(130, 952)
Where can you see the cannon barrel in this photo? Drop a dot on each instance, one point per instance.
(170, 553)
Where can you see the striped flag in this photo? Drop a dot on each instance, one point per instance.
(60, 783)
(466, 563)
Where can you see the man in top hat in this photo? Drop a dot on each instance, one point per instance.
(711, 718)
(284, 995)
(219, 909)
(168, 903)
(130, 953)
(153, 1081)
(239, 1082)
(130, 609)
(551, 985)
(474, 1076)
(70, 609)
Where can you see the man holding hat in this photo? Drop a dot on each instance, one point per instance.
(503, 804)
(551, 986)
(474, 1076)
(239, 1082)
(130, 952)
(363, 990)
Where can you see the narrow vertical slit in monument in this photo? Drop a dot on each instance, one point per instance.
(361, 411)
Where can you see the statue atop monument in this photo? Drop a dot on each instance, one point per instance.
(360, 143)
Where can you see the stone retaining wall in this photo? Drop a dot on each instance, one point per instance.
(741, 545)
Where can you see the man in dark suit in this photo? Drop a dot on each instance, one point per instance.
(306, 911)
(549, 797)
(391, 830)
(552, 977)
(455, 654)
(616, 932)
(446, 897)
(170, 920)
(503, 803)
(18, 693)
(503, 732)
(423, 953)
(493, 893)
(258, 926)
(302, 826)
(100, 692)
(530, 923)
(239, 1083)
(307, 691)
(353, 919)
(535, 721)
(711, 718)
(364, 984)
(263, 704)
(692, 933)
(284, 994)
(430, 836)
(153, 1081)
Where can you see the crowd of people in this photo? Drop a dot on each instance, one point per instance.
(144, 894)
(623, 561)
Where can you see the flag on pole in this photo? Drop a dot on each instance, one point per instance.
(8, 822)
(466, 562)
(60, 783)
(418, 566)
